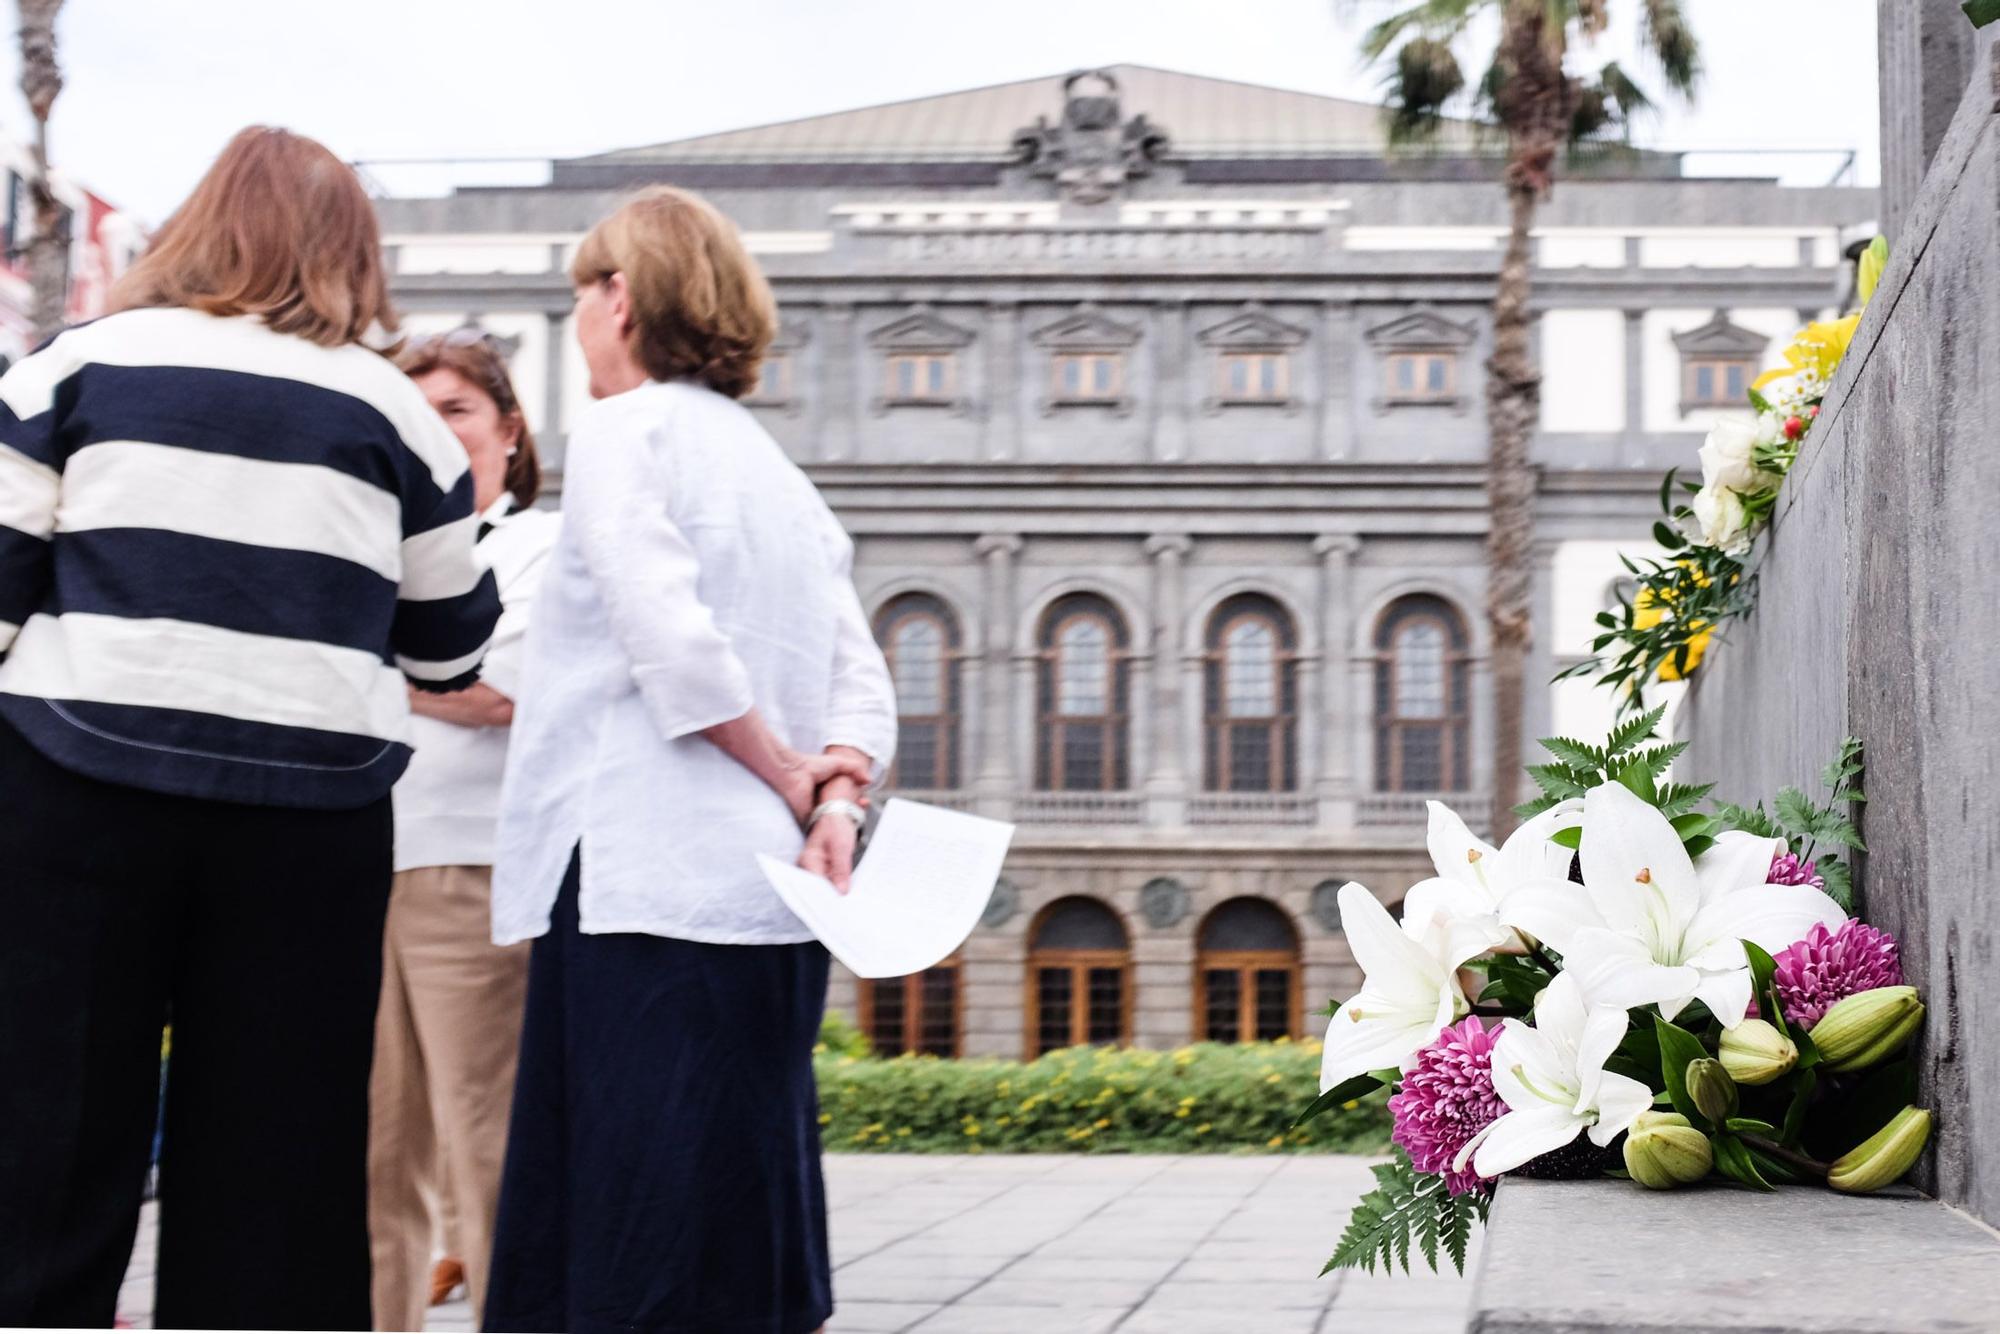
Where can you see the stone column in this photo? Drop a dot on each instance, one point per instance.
(1635, 383)
(1002, 433)
(1538, 705)
(997, 779)
(1170, 388)
(1166, 780)
(1926, 50)
(552, 393)
(1338, 781)
(841, 381)
(1336, 360)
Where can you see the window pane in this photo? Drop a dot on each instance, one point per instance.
(1421, 749)
(918, 754)
(905, 373)
(1269, 381)
(1248, 924)
(1239, 375)
(1083, 757)
(1085, 646)
(1250, 757)
(1436, 371)
(1223, 1021)
(1736, 380)
(1052, 1020)
(1103, 369)
(1419, 685)
(918, 649)
(937, 1031)
(1069, 374)
(1406, 372)
(1274, 1004)
(1107, 1005)
(886, 1029)
(1250, 682)
(1704, 384)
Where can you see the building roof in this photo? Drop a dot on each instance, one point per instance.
(1202, 117)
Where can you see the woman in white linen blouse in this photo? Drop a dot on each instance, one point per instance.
(701, 681)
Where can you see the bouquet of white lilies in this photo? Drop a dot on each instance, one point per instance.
(1627, 987)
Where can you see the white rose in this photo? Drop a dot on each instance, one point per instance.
(1725, 458)
(1722, 517)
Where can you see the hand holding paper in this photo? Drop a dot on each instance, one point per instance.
(916, 896)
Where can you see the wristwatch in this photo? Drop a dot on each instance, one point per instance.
(842, 807)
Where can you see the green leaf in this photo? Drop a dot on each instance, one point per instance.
(1748, 820)
(1839, 881)
(1345, 1091)
(1803, 1086)
(1571, 838)
(1773, 1169)
(1677, 1048)
(1573, 754)
(1557, 781)
(1982, 12)
(1668, 537)
(1633, 730)
(1749, 1125)
(1733, 1160)
(1678, 799)
(1695, 825)
(1404, 1201)
(1639, 779)
(1762, 968)
(1759, 402)
(1795, 813)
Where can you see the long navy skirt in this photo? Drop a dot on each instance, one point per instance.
(662, 1167)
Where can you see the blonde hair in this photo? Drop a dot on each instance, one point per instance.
(700, 305)
(279, 228)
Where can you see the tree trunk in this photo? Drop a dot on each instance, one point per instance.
(1534, 102)
(47, 253)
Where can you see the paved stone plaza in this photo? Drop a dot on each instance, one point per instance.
(1084, 1245)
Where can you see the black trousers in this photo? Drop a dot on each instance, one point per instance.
(663, 1172)
(258, 931)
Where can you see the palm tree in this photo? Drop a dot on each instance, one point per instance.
(48, 251)
(1541, 106)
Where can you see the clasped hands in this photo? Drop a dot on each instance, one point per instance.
(841, 773)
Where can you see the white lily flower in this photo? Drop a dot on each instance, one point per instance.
(1650, 927)
(1488, 875)
(1409, 990)
(1553, 1080)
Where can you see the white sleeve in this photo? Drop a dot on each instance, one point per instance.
(518, 591)
(616, 505)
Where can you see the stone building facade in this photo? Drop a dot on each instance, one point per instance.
(1154, 404)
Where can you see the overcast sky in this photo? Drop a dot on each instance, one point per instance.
(156, 86)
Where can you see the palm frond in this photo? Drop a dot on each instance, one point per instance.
(1443, 19)
(1425, 77)
(1666, 32)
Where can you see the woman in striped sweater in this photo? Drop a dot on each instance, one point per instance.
(229, 532)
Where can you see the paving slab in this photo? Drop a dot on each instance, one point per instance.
(1077, 1245)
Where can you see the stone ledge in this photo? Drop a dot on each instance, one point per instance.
(1603, 1257)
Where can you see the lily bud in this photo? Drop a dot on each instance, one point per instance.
(1662, 1151)
(1757, 1051)
(1867, 1028)
(1883, 1158)
(1713, 1091)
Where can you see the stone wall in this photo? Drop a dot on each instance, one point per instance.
(1880, 617)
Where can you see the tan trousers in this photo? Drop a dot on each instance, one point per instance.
(447, 1037)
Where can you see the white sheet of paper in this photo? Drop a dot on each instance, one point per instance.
(915, 897)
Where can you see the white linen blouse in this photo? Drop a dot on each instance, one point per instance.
(698, 574)
(448, 800)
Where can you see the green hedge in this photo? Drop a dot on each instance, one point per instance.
(1207, 1098)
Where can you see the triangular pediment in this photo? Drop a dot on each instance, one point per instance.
(1255, 327)
(1720, 338)
(922, 328)
(1087, 328)
(1422, 328)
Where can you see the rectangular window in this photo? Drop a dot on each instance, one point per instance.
(1224, 1003)
(1255, 377)
(1422, 377)
(1716, 382)
(921, 377)
(1107, 1005)
(1084, 377)
(1052, 1010)
(1274, 1004)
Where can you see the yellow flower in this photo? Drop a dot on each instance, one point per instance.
(1181, 1113)
(1648, 612)
(1203, 1128)
(1818, 348)
(1350, 1104)
(1274, 1079)
(1101, 1123)
(826, 1118)
(1275, 1142)
(972, 1129)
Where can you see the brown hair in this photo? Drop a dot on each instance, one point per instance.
(701, 307)
(279, 228)
(478, 360)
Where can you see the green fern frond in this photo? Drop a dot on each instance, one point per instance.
(1403, 1203)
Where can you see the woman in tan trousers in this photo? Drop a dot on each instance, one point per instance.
(448, 1031)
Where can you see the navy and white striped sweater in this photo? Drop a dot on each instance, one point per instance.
(222, 551)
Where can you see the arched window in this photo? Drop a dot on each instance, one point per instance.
(1083, 695)
(919, 637)
(917, 1013)
(1246, 973)
(1079, 977)
(1251, 698)
(1422, 697)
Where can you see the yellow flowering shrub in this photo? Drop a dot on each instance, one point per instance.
(1204, 1098)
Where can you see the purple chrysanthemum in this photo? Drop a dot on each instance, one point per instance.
(1789, 869)
(1830, 965)
(1447, 1100)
